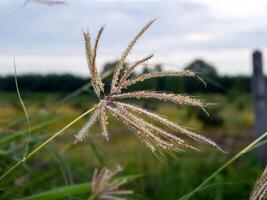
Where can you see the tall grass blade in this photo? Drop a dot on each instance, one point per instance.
(77, 92)
(97, 153)
(11, 193)
(42, 145)
(221, 168)
(61, 192)
(6, 140)
(62, 163)
(13, 13)
(66, 191)
(24, 110)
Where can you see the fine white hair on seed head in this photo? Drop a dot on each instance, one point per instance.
(156, 138)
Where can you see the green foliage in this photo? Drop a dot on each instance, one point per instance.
(214, 120)
(70, 83)
(203, 68)
(47, 172)
(72, 190)
(61, 192)
(43, 83)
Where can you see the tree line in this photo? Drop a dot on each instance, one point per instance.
(68, 83)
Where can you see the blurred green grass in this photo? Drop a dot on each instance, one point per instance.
(230, 124)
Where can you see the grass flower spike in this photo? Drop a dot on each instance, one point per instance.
(159, 140)
(103, 187)
(260, 189)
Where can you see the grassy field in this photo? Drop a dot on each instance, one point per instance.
(62, 163)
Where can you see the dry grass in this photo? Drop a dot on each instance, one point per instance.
(260, 189)
(154, 137)
(104, 188)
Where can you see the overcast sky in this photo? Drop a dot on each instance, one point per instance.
(48, 39)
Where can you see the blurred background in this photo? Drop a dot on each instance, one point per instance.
(224, 41)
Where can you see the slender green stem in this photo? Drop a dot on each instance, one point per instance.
(68, 97)
(92, 197)
(258, 145)
(12, 14)
(24, 110)
(45, 143)
(243, 151)
(80, 90)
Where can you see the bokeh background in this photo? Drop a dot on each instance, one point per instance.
(214, 38)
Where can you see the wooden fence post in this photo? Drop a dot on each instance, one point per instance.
(258, 89)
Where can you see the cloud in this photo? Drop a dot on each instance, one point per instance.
(237, 8)
(199, 37)
(5, 2)
(41, 36)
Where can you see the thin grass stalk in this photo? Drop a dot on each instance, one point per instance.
(80, 90)
(170, 124)
(150, 75)
(26, 150)
(229, 162)
(175, 98)
(128, 71)
(89, 58)
(70, 95)
(67, 177)
(258, 145)
(20, 7)
(119, 66)
(32, 153)
(11, 193)
(92, 197)
(96, 44)
(97, 153)
(13, 13)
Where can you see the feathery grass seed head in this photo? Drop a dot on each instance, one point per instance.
(120, 64)
(156, 138)
(103, 187)
(259, 191)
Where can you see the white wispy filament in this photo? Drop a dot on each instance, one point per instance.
(159, 140)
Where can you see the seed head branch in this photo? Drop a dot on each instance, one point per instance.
(175, 98)
(103, 121)
(103, 187)
(157, 139)
(119, 66)
(129, 71)
(99, 81)
(91, 55)
(259, 191)
(151, 75)
(84, 131)
(171, 125)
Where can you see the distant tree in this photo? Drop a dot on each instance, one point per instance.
(146, 69)
(203, 68)
(207, 72)
(160, 81)
(108, 66)
(158, 68)
(66, 82)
